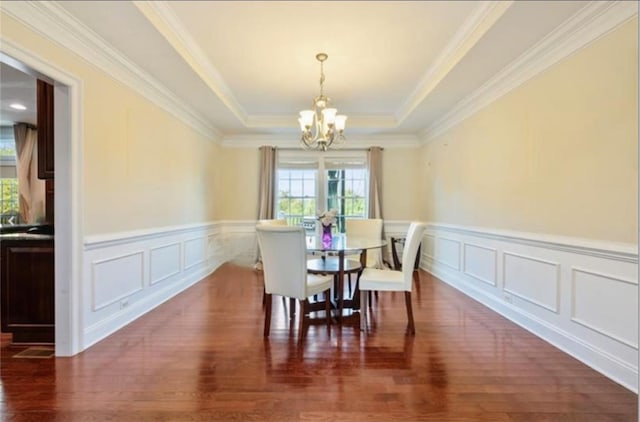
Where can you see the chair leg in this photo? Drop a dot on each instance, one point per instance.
(327, 307)
(267, 314)
(292, 308)
(303, 311)
(349, 275)
(364, 296)
(411, 327)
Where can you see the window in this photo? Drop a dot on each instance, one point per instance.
(9, 211)
(296, 190)
(308, 183)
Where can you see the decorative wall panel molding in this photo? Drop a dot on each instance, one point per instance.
(480, 262)
(580, 295)
(598, 249)
(447, 252)
(534, 280)
(131, 273)
(595, 295)
(195, 252)
(428, 246)
(164, 262)
(115, 278)
(577, 276)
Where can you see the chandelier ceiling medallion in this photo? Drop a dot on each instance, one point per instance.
(321, 127)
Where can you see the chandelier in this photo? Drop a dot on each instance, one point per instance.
(321, 127)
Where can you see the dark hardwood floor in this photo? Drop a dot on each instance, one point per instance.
(202, 357)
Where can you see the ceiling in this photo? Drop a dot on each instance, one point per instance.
(394, 68)
(16, 87)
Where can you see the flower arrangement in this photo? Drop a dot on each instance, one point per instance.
(328, 218)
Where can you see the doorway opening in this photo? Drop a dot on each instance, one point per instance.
(67, 187)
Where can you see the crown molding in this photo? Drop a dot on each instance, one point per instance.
(52, 22)
(354, 122)
(592, 22)
(160, 15)
(292, 141)
(474, 28)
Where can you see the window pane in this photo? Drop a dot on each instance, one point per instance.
(9, 211)
(296, 200)
(7, 148)
(344, 189)
(345, 194)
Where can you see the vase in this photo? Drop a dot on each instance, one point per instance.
(326, 236)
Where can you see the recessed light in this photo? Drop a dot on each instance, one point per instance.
(18, 106)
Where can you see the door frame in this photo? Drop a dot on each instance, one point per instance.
(68, 193)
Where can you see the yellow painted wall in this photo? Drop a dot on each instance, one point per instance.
(142, 167)
(558, 155)
(401, 192)
(240, 167)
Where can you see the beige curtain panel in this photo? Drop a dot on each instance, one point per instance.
(267, 182)
(266, 190)
(374, 164)
(31, 190)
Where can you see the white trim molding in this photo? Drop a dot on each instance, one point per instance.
(485, 15)
(293, 141)
(578, 294)
(131, 273)
(595, 20)
(53, 22)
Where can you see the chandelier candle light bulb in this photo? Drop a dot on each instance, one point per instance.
(322, 126)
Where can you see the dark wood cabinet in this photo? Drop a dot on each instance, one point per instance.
(49, 194)
(27, 289)
(45, 130)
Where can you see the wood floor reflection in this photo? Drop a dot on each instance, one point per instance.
(202, 357)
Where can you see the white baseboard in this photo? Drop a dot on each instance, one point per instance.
(114, 322)
(572, 293)
(551, 286)
(125, 275)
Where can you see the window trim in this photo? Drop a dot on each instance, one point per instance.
(321, 162)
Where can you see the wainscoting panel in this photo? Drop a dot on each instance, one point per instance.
(195, 252)
(594, 295)
(428, 246)
(447, 252)
(585, 292)
(533, 280)
(164, 262)
(480, 263)
(580, 295)
(115, 278)
(129, 274)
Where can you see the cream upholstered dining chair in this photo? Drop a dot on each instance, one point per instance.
(284, 254)
(391, 280)
(367, 228)
(269, 222)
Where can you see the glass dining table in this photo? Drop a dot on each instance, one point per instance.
(340, 245)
